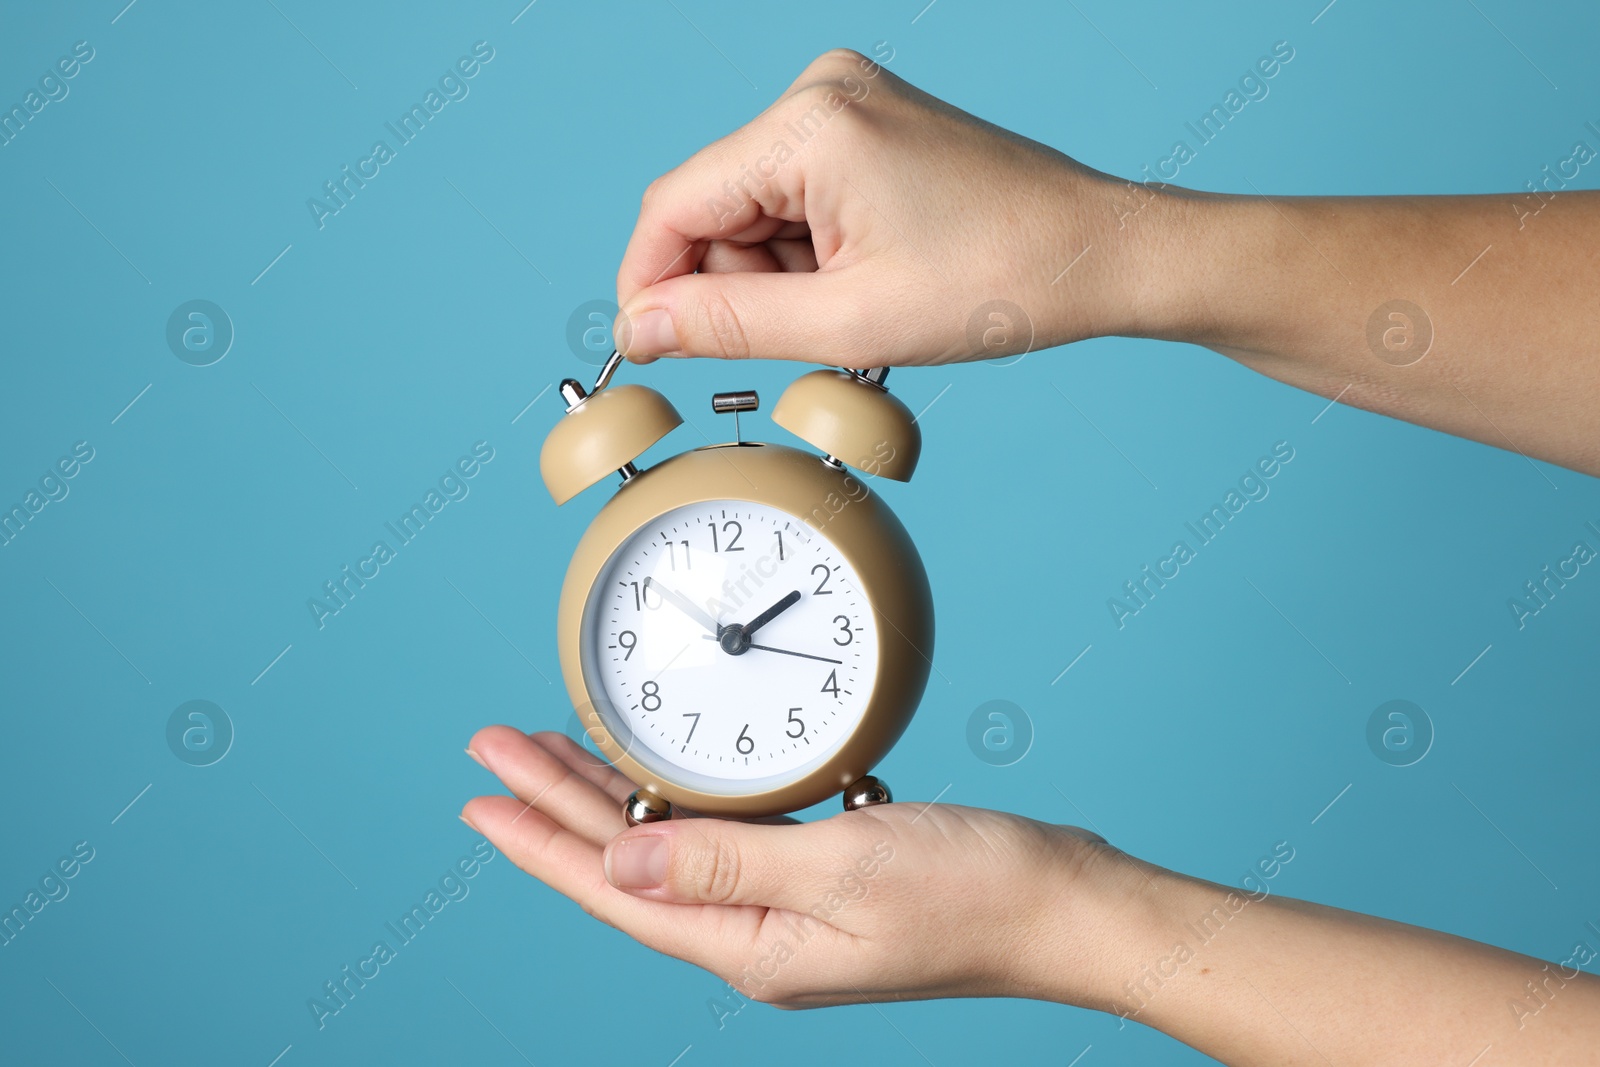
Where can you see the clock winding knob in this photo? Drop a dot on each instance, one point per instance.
(644, 806)
(865, 792)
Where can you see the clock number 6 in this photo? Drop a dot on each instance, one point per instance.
(844, 628)
(795, 720)
(744, 744)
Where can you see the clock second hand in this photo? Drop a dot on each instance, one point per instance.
(685, 605)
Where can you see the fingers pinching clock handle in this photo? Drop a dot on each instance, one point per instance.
(865, 792)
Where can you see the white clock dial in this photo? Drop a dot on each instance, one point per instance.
(729, 647)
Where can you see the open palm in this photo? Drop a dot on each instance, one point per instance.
(899, 900)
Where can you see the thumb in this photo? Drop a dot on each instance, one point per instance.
(709, 861)
(817, 316)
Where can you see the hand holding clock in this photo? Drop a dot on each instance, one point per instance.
(912, 901)
(854, 905)
(903, 231)
(875, 246)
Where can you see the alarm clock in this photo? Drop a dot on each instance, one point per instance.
(746, 628)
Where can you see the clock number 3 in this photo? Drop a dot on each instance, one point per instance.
(844, 628)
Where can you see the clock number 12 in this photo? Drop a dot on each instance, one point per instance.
(733, 542)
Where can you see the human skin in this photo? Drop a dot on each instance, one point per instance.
(871, 245)
(899, 215)
(910, 901)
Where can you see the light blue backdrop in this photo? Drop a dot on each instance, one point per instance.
(430, 313)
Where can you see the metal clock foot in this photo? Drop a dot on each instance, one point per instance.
(644, 806)
(866, 791)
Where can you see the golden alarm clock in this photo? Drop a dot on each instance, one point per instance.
(746, 628)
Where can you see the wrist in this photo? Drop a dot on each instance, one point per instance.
(1104, 923)
(1186, 265)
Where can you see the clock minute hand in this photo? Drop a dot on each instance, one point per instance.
(743, 648)
(802, 655)
(772, 613)
(683, 604)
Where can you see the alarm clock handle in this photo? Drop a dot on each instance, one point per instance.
(572, 390)
(608, 369)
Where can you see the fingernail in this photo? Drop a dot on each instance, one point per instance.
(650, 334)
(469, 821)
(637, 862)
(476, 757)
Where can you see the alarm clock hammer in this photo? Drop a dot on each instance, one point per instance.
(711, 534)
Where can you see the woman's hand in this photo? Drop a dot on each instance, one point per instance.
(860, 221)
(898, 901)
(908, 901)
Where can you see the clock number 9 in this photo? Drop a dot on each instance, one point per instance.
(844, 628)
(744, 744)
(651, 691)
(628, 640)
(795, 720)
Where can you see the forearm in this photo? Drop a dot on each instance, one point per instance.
(1277, 981)
(1292, 287)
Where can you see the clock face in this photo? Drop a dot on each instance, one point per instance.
(729, 647)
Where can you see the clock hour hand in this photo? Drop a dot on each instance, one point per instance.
(772, 613)
(683, 604)
(735, 638)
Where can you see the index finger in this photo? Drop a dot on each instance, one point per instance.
(687, 208)
(739, 189)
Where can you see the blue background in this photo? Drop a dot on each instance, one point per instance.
(432, 310)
